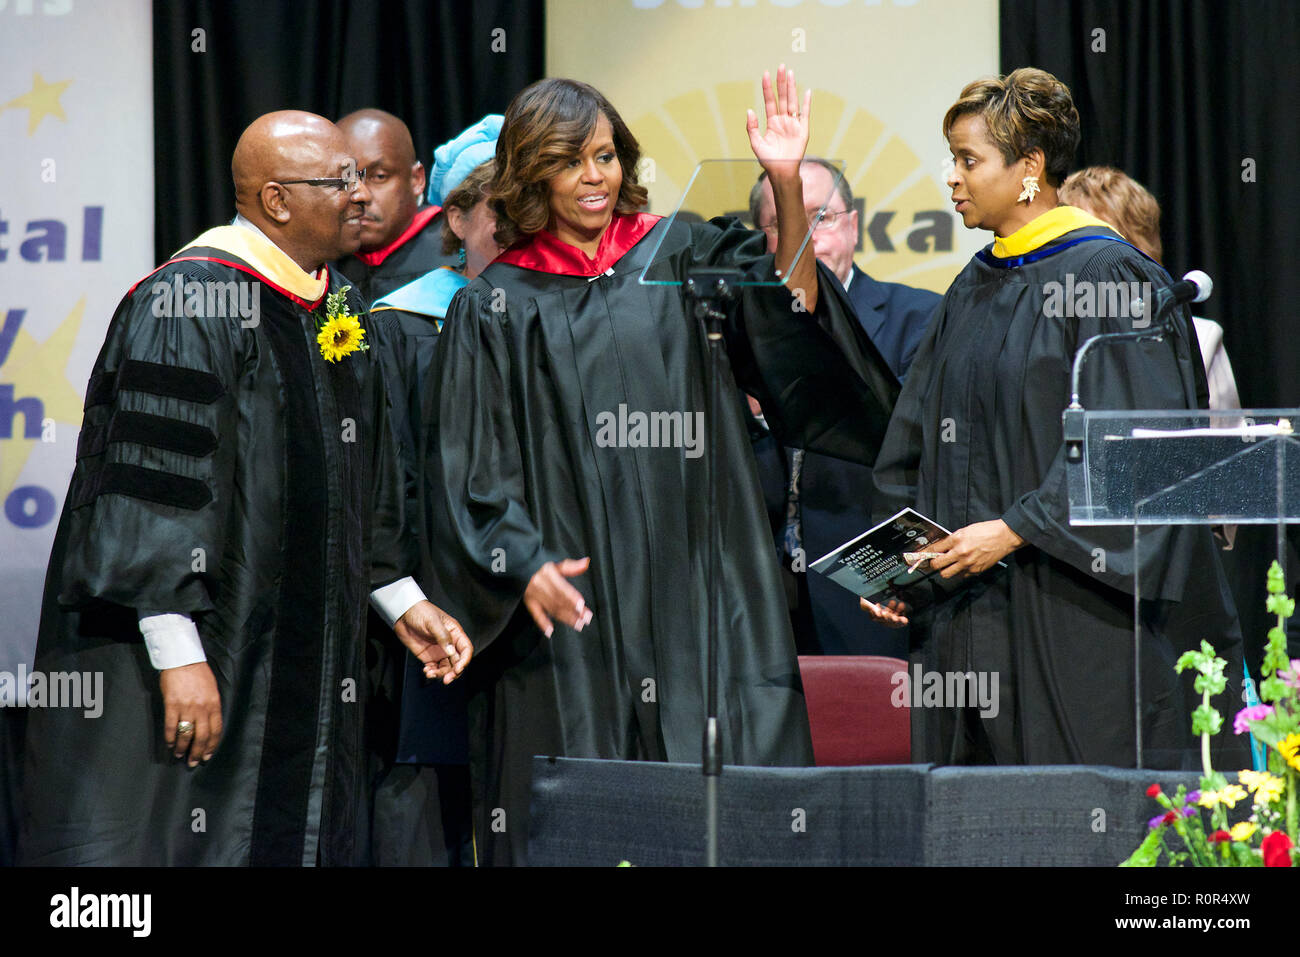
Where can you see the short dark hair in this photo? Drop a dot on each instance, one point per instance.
(841, 186)
(545, 126)
(1025, 110)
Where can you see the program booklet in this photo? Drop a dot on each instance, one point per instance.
(890, 561)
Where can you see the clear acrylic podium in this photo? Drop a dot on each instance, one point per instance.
(1157, 468)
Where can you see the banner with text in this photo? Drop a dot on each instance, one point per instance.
(76, 230)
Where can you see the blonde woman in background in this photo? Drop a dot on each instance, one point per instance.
(1121, 201)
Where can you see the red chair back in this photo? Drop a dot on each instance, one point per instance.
(857, 709)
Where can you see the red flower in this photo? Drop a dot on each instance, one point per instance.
(1169, 818)
(1153, 790)
(1277, 850)
(1218, 836)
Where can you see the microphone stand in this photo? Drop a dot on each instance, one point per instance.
(710, 290)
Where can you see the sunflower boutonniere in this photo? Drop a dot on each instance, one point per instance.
(338, 332)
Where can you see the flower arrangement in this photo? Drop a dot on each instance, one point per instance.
(1268, 836)
(337, 332)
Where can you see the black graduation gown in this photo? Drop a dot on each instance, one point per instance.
(247, 444)
(526, 363)
(416, 728)
(976, 435)
(834, 495)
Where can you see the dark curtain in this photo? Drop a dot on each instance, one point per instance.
(1184, 94)
(438, 64)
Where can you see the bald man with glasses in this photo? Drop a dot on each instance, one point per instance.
(236, 500)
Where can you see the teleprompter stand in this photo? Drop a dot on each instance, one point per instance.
(715, 188)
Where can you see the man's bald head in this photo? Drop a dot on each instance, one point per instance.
(313, 224)
(380, 129)
(382, 145)
(278, 146)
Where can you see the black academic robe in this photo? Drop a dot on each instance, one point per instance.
(404, 262)
(976, 435)
(417, 728)
(230, 474)
(529, 366)
(834, 503)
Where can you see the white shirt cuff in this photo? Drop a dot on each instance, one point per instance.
(172, 640)
(395, 600)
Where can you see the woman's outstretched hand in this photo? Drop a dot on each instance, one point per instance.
(891, 614)
(550, 596)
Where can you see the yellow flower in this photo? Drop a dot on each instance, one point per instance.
(1266, 787)
(1242, 831)
(1289, 748)
(339, 336)
(1230, 795)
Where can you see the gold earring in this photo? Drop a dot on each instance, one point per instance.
(1031, 189)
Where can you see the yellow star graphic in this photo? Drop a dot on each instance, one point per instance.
(38, 369)
(42, 101)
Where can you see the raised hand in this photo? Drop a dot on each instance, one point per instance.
(785, 139)
(780, 150)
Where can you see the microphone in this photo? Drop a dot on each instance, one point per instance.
(1196, 286)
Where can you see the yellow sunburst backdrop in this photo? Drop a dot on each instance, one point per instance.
(682, 73)
(893, 182)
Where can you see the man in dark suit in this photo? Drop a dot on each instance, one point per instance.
(826, 501)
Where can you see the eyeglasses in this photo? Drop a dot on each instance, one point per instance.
(348, 182)
(818, 221)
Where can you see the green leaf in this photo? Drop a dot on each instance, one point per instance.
(1272, 689)
(1274, 728)
(1206, 720)
(1276, 605)
(1148, 852)
(1275, 658)
(1211, 679)
(1213, 782)
(1243, 856)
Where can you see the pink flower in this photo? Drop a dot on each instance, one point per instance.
(1241, 723)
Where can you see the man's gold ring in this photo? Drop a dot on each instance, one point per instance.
(185, 727)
